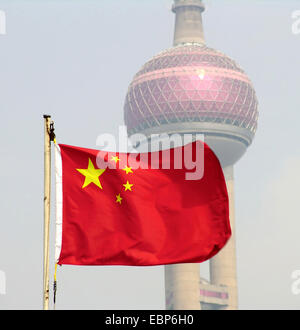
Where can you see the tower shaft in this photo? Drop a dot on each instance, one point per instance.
(182, 286)
(182, 282)
(188, 24)
(188, 89)
(223, 265)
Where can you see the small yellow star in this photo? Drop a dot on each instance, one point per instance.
(127, 186)
(115, 158)
(127, 169)
(119, 199)
(91, 175)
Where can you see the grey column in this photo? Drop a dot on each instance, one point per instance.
(188, 24)
(182, 286)
(223, 265)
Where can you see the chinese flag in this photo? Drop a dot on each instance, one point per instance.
(138, 216)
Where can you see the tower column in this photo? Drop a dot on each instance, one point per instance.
(223, 265)
(188, 24)
(182, 286)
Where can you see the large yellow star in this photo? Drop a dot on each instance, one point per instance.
(127, 186)
(91, 175)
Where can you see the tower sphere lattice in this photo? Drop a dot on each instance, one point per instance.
(191, 88)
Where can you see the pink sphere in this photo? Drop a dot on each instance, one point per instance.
(191, 83)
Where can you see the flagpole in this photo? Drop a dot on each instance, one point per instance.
(47, 191)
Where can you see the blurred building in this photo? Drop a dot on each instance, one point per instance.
(192, 88)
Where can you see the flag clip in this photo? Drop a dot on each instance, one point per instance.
(51, 132)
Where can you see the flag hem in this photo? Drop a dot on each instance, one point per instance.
(59, 202)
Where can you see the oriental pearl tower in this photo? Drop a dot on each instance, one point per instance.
(192, 88)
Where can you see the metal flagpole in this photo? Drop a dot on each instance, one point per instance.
(49, 136)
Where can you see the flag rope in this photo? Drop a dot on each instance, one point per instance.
(54, 287)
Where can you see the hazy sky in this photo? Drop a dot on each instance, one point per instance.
(74, 59)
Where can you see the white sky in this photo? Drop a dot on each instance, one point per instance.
(74, 59)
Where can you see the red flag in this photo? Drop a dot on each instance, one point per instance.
(136, 216)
